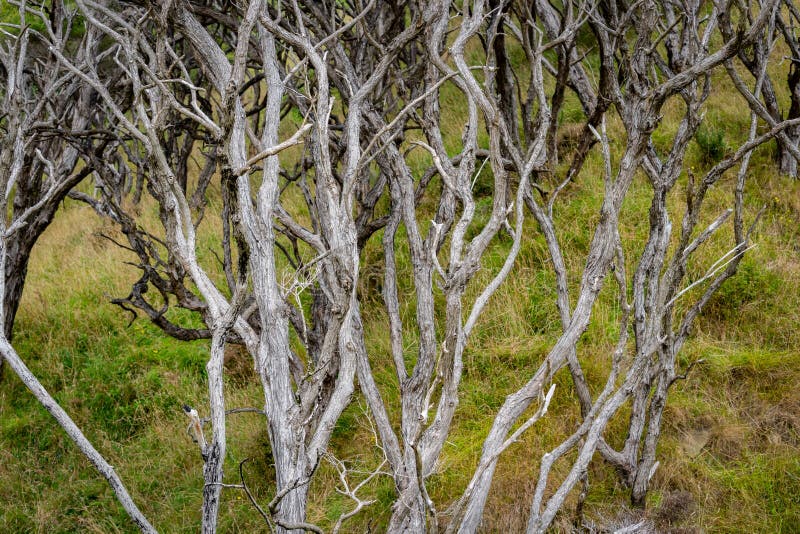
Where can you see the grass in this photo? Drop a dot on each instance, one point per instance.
(730, 452)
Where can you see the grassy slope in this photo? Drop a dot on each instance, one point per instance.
(730, 454)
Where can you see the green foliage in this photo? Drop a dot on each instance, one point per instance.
(710, 140)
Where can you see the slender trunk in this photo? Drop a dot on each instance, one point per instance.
(636, 425)
(214, 453)
(644, 469)
(212, 478)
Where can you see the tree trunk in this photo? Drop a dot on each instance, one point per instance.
(787, 161)
(291, 472)
(408, 514)
(292, 510)
(15, 272)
